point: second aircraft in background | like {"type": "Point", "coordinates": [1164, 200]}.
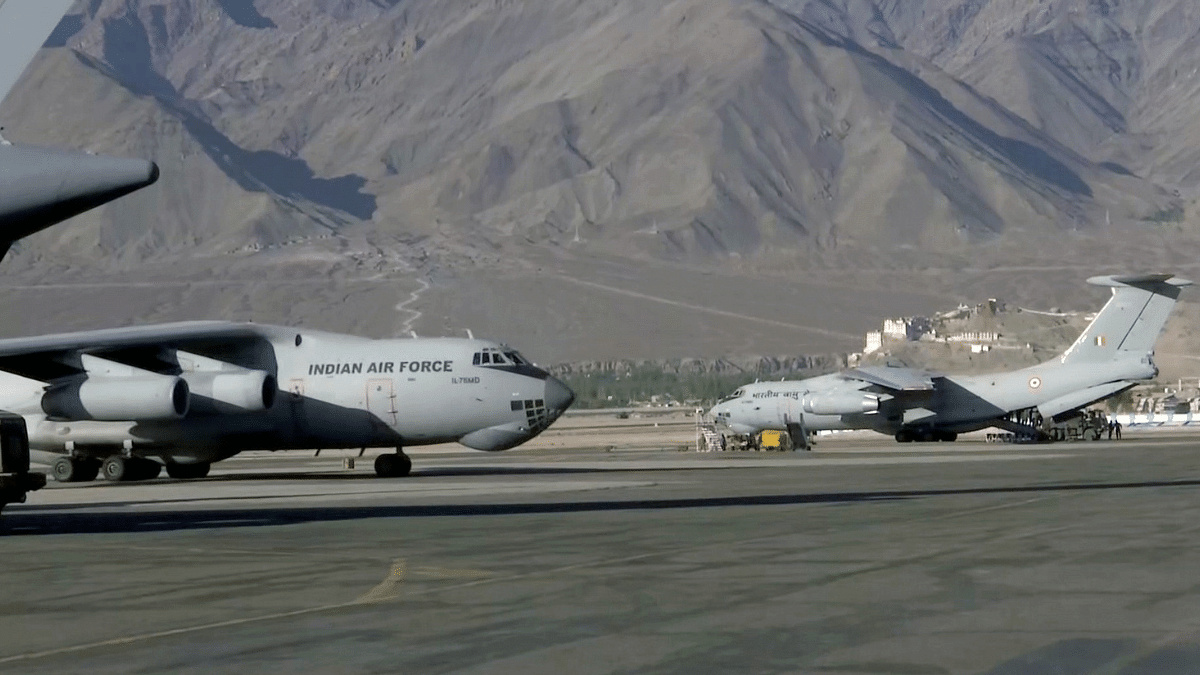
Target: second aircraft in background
{"type": "Point", "coordinates": [1114, 353]}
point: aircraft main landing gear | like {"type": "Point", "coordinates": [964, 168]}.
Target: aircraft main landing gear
{"type": "Point", "coordinates": [118, 469]}
{"type": "Point", "coordinates": [75, 469]}
{"type": "Point", "coordinates": [395, 465]}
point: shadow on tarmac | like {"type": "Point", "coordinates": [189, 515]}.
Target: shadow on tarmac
{"type": "Point", "coordinates": [17, 523]}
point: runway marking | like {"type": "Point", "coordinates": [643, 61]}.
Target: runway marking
{"type": "Point", "coordinates": [997, 507]}
{"type": "Point", "coordinates": [389, 588]}
{"type": "Point", "coordinates": [174, 631]}
{"type": "Point", "coordinates": [377, 594]}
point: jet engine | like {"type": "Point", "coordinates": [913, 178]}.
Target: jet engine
{"type": "Point", "coordinates": [115, 399]}
{"type": "Point", "coordinates": [242, 391]}
{"type": "Point", "coordinates": [840, 403]}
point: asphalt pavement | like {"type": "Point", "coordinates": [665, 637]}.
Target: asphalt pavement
{"type": "Point", "coordinates": [863, 557]}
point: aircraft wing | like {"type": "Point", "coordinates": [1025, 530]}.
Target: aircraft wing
{"type": "Point", "coordinates": [131, 337]}
{"type": "Point", "coordinates": [42, 187]}
{"type": "Point", "coordinates": [154, 348]}
{"type": "Point", "coordinates": [24, 27]}
{"type": "Point", "coordinates": [897, 379]}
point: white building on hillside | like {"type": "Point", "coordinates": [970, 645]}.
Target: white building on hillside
{"type": "Point", "coordinates": [874, 342]}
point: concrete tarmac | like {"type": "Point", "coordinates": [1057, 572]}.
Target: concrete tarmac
{"type": "Point", "coordinates": [862, 557]}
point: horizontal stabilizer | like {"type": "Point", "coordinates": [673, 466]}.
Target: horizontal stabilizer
{"type": "Point", "coordinates": [1079, 399]}
{"type": "Point", "coordinates": [1138, 280]}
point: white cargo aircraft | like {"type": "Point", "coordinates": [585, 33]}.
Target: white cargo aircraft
{"type": "Point", "coordinates": [127, 401]}
{"type": "Point", "coordinates": [1114, 353]}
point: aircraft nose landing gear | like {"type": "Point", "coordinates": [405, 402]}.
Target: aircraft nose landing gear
{"type": "Point", "coordinates": [395, 465]}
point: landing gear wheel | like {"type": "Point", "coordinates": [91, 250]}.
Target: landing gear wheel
{"type": "Point", "coordinates": [185, 471]}
{"type": "Point", "coordinates": [396, 465]}
{"type": "Point", "coordinates": [945, 436]}
{"type": "Point", "coordinates": [72, 470]}
{"type": "Point", "coordinates": [115, 469]}
{"type": "Point", "coordinates": [904, 436]}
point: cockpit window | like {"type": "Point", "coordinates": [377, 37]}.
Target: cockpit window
{"type": "Point", "coordinates": [492, 356]}
{"type": "Point", "coordinates": [735, 395]}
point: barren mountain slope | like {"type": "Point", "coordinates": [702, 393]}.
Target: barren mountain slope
{"type": "Point", "coordinates": [1115, 81]}
{"type": "Point", "coordinates": [691, 129]}
{"type": "Point", "coordinates": [833, 160]}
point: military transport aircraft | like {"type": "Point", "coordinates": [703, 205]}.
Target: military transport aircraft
{"type": "Point", "coordinates": [127, 401]}
{"type": "Point", "coordinates": [1112, 355]}
{"type": "Point", "coordinates": [40, 187]}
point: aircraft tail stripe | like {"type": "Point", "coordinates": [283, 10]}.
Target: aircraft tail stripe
{"type": "Point", "coordinates": [1130, 322]}
{"type": "Point", "coordinates": [1141, 311]}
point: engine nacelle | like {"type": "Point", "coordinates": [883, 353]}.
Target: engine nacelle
{"type": "Point", "coordinates": [848, 403]}
{"type": "Point", "coordinates": [243, 391]}
{"type": "Point", "coordinates": [118, 399]}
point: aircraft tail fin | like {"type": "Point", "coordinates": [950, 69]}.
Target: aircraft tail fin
{"type": "Point", "coordinates": [1131, 321]}
{"type": "Point", "coordinates": [24, 27]}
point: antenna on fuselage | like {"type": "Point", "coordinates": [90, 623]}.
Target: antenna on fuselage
{"type": "Point", "coordinates": [413, 333]}
{"type": "Point", "coordinates": [470, 335]}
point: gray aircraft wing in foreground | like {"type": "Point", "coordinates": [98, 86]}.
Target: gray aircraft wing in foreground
{"type": "Point", "coordinates": [128, 401]}
{"type": "Point", "coordinates": [1113, 354]}
{"type": "Point", "coordinates": [40, 187]}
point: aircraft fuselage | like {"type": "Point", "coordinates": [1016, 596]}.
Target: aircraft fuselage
{"type": "Point", "coordinates": [333, 391]}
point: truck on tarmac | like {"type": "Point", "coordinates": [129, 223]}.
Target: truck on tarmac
{"type": "Point", "coordinates": [16, 480]}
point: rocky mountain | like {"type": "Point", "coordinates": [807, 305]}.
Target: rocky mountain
{"type": "Point", "coordinates": [914, 146]}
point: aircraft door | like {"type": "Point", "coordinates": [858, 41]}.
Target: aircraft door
{"type": "Point", "coordinates": [381, 400]}
{"type": "Point", "coordinates": [791, 413]}
{"type": "Point", "coordinates": [789, 410]}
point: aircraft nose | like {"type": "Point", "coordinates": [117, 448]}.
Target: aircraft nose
{"type": "Point", "coordinates": [558, 396]}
